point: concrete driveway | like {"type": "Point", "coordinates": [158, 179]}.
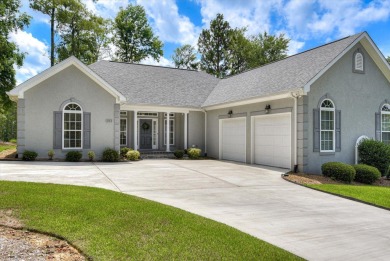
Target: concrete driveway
{"type": "Point", "coordinates": [255, 200]}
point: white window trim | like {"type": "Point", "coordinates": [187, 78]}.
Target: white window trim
{"type": "Point", "coordinates": [147, 114]}
{"type": "Point", "coordinates": [334, 125]}
{"type": "Point", "coordinates": [355, 60]}
{"type": "Point", "coordinates": [384, 112]}
{"type": "Point", "coordinates": [125, 131]}
{"type": "Point", "coordinates": [63, 126]}
{"type": "Point", "coordinates": [172, 123]}
{"type": "Point", "coordinates": [171, 115]}
{"type": "Point", "coordinates": [123, 113]}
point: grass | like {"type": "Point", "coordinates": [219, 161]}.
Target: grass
{"type": "Point", "coordinates": [372, 194]}
{"type": "Point", "coordinates": [6, 147]}
{"type": "Point", "coordinates": [107, 225]}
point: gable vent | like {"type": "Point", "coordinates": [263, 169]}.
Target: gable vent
{"type": "Point", "coordinates": [359, 62]}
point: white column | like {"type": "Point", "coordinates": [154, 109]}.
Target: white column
{"type": "Point", "coordinates": [185, 130]}
{"type": "Point", "coordinates": [167, 132]}
{"type": "Point", "coordinates": [135, 130]}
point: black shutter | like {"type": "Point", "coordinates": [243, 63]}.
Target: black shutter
{"type": "Point", "coordinates": [57, 136]}
{"type": "Point", "coordinates": [338, 130]}
{"type": "Point", "coordinates": [378, 126]}
{"type": "Point", "coordinates": [316, 130]}
{"type": "Point", "coordinates": [87, 130]}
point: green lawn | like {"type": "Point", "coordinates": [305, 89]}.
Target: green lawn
{"type": "Point", "coordinates": [372, 194]}
{"type": "Point", "coordinates": [6, 147]}
{"type": "Point", "coordinates": [107, 225]}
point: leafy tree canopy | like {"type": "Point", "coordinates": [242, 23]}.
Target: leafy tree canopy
{"type": "Point", "coordinates": [184, 57]}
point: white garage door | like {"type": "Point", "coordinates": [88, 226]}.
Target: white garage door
{"type": "Point", "coordinates": [233, 141]}
{"type": "Point", "coordinates": [272, 140]}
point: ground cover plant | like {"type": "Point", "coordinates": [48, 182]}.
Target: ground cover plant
{"type": "Point", "coordinates": [6, 146]}
{"type": "Point", "coordinates": [108, 225]}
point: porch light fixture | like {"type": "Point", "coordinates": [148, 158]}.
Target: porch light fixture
{"type": "Point", "coordinates": [230, 113]}
{"type": "Point", "coordinates": [267, 108]}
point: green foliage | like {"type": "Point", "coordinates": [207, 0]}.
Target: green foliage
{"type": "Point", "coordinates": [194, 153]}
{"type": "Point", "coordinates": [13, 141]}
{"type": "Point", "coordinates": [388, 59]}
{"type": "Point", "coordinates": [73, 156]}
{"type": "Point", "coordinates": [110, 155]}
{"type": "Point", "coordinates": [179, 154]}
{"type": "Point", "coordinates": [376, 154]}
{"type": "Point", "coordinates": [50, 154]}
{"type": "Point", "coordinates": [339, 171]}
{"type": "Point", "coordinates": [11, 20]}
{"type": "Point", "coordinates": [91, 155]}
{"type": "Point", "coordinates": [184, 57]}
{"type": "Point", "coordinates": [240, 51]}
{"type": "Point", "coordinates": [8, 121]}
{"type": "Point", "coordinates": [29, 155]}
{"type": "Point", "coordinates": [134, 37]}
{"type": "Point", "coordinates": [124, 151]}
{"type": "Point", "coordinates": [133, 155]}
{"type": "Point", "coordinates": [366, 174]}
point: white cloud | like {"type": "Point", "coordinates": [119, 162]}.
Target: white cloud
{"type": "Point", "coordinates": [36, 59]}
{"type": "Point", "coordinates": [106, 8]}
{"type": "Point", "coordinates": [163, 62]}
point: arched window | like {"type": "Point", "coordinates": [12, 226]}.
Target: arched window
{"type": "Point", "coordinates": [327, 126]}
{"type": "Point", "coordinates": [358, 65]}
{"type": "Point", "coordinates": [385, 123]}
{"type": "Point", "coordinates": [73, 126]}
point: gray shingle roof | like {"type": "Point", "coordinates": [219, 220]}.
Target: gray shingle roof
{"type": "Point", "coordinates": [288, 74]}
{"type": "Point", "coordinates": [154, 85]}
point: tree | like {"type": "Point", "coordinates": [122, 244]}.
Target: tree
{"type": "Point", "coordinates": [388, 59]}
{"type": "Point", "coordinates": [239, 50]}
{"type": "Point", "coordinates": [184, 57]}
{"type": "Point", "coordinates": [214, 45]}
{"type": "Point", "coordinates": [134, 37]}
{"type": "Point", "coordinates": [267, 48]}
{"type": "Point", "coordinates": [10, 20]}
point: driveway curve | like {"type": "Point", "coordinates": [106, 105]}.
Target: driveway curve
{"type": "Point", "coordinates": [253, 199]}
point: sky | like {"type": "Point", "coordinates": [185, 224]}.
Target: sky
{"type": "Point", "coordinates": [307, 23]}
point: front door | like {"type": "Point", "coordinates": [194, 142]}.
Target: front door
{"type": "Point", "coordinates": [145, 134]}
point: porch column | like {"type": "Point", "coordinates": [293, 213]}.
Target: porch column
{"type": "Point", "coordinates": [167, 132]}
{"type": "Point", "coordinates": [185, 130]}
{"type": "Point", "coordinates": [135, 130]}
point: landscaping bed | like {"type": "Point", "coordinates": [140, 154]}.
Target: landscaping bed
{"type": "Point", "coordinates": [7, 150]}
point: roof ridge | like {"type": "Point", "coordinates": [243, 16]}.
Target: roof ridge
{"type": "Point", "coordinates": [152, 65]}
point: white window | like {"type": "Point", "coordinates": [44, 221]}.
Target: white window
{"type": "Point", "coordinates": [385, 123]}
{"type": "Point", "coordinates": [148, 114]}
{"type": "Point", "coordinates": [171, 132]}
{"type": "Point", "coordinates": [123, 132]}
{"type": "Point", "coordinates": [327, 127]}
{"type": "Point", "coordinates": [170, 115]}
{"type": "Point", "coordinates": [359, 62]}
{"type": "Point", "coordinates": [73, 126]}
{"type": "Point", "coordinates": [123, 113]}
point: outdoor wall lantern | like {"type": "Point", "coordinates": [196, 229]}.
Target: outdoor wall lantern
{"type": "Point", "coordinates": [267, 108]}
{"type": "Point", "coordinates": [230, 113]}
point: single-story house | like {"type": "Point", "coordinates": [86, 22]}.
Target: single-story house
{"type": "Point", "coordinates": [298, 112]}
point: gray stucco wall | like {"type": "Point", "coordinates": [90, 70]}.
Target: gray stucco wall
{"type": "Point", "coordinates": [213, 116]}
{"type": "Point", "coordinates": [47, 97]}
{"type": "Point", "coordinates": [357, 95]}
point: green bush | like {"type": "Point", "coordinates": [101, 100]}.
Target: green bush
{"type": "Point", "coordinates": [50, 154]}
{"type": "Point", "coordinates": [91, 155]}
{"type": "Point", "coordinates": [110, 155]}
{"type": "Point", "coordinates": [29, 155]}
{"type": "Point", "coordinates": [73, 156]}
{"type": "Point", "coordinates": [366, 174]}
{"type": "Point", "coordinates": [194, 153]}
{"type": "Point", "coordinates": [179, 154]}
{"type": "Point", "coordinates": [339, 171]}
{"type": "Point", "coordinates": [133, 155]}
{"type": "Point", "coordinates": [13, 141]}
{"type": "Point", "coordinates": [124, 151]}
{"type": "Point", "coordinates": [375, 153]}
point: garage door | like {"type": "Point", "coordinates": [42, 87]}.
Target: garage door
{"type": "Point", "coordinates": [233, 141]}
{"type": "Point", "coordinates": [272, 140]}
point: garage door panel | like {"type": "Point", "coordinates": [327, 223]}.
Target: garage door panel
{"type": "Point", "coordinates": [233, 139]}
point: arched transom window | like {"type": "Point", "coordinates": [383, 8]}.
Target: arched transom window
{"type": "Point", "coordinates": [73, 126]}
{"type": "Point", "coordinates": [327, 127]}
{"type": "Point", "coordinates": [358, 62]}
{"type": "Point", "coordinates": [385, 123]}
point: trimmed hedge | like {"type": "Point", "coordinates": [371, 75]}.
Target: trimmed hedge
{"type": "Point", "coordinates": [110, 155]}
{"type": "Point", "coordinates": [366, 174]}
{"type": "Point", "coordinates": [91, 155]}
{"type": "Point", "coordinates": [194, 153]}
{"type": "Point", "coordinates": [133, 155]}
{"type": "Point", "coordinates": [124, 151]}
{"type": "Point", "coordinates": [375, 153]}
{"type": "Point", "coordinates": [73, 156]}
{"type": "Point", "coordinates": [339, 171]}
{"type": "Point", "coordinates": [179, 154]}
{"type": "Point", "coordinates": [29, 155]}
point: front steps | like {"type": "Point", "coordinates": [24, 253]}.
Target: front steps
{"type": "Point", "coordinates": [156, 155]}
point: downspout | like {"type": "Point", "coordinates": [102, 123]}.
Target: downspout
{"type": "Point", "coordinates": [295, 96]}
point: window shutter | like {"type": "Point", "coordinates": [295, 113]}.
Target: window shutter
{"type": "Point", "coordinates": [359, 62]}
{"type": "Point", "coordinates": [57, 137]}
{"type": "Point", "coordinates": [87, 130]}
{"type": "Point", "coordinates": [338, 130]}
{"type": "Point", "coordinates": [378, 126]}
{"type": "Point", "coordinates": [316, 128]}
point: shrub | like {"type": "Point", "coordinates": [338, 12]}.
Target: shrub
{"type": "Point", "coordinates": [133, 155]}
{"type": "Point", "coordinates": [110, 155]}
{"type": "Point", "coordinates": [194, 153]}
{"type": "Point", "coordinates": [29, 155]}
{"type": "Point", "coordinates": [375, 153]}
{"type": "Point", "coordinates": [339, 171]}
{"type": "Point", "coordinates": [73, 156]}
{"type": "Point", "coordinates": [366, 174]}
{"type": "Point", "coordinates": [124, 151]}
{"type": "Point", "coordinates": [179, 154]}
{"type": "Point", "coordinates": [91, 155]}
{"type": "Point", "coordinates": [13, 141]}
{"type": "Point", "coordinates": [51, 154]}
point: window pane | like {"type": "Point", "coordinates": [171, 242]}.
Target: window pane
{"type": "Point", "coordinates": [386, 137]}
